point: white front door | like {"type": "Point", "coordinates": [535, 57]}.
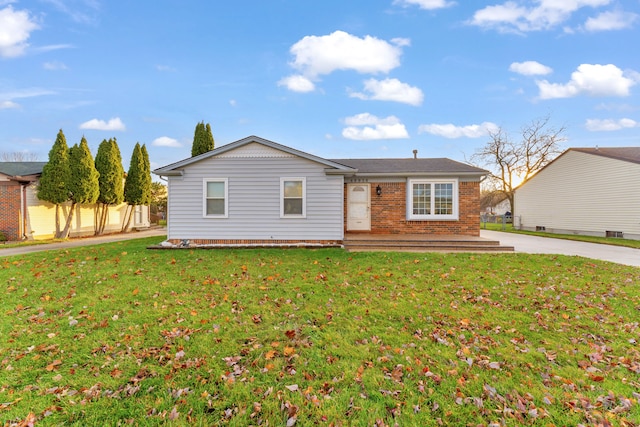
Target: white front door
{"type": "Point", "coordinates": [358, 207]}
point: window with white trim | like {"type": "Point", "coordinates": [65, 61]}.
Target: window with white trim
{"type": "Point", "coordinates": [432, 199]}
{"type": "Point", "coordinates": [293, 197]}
{"type": "Point", "coordinates": [215, 198]}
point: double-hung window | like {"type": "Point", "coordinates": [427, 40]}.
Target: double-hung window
{"type": "Point", "coordinates": [432, 199]}
{"type": "Point", "coordinates": [293, 198]}
{"type": "Point", "coordinates": [216, 198]}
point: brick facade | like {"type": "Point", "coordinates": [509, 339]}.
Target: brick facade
{"type": "Point", "coordinates": [389, 214]}
{"type": "Point", "coordinates": [10, 210]}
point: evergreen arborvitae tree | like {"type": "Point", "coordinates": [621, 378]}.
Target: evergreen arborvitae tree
{"type": "Point", "coordinates": [198, 140]}
{"type": "Point", "coordinates": [55, 177]}
{"type": "Point", "coordinates": [136, 186]}
{"type": "Point", "coordinates": [147, 173]}
{"type": "Point", "coordinates": [83, 187]}
{"type": "Point", "coordinates": [202, 139]}
{"type": "Point", "coordinates": [210, 144]}
{"type": "Point", "coordinates": [109, 166]}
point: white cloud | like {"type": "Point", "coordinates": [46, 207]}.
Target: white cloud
{"type": "Point", "coordinates": [596, 125]}
{"type": "Point", "coordinates": [5, 105]}
{"type": "Point", "coordinates": [516, 16]}
{"type": "Point", "coordinates": [112, 124]}
{"type": "Point", "coordinates": [15, 28]}
{"type": "Point", "coordinates": [530, 68]}
{"type": "Point", "coordinates": [315, 56]}
{"type": "Point", "coordinates": [611, 20]}
{"type": "Point", "coordinates": [367, 127]}
{"type": "Point", "coordinates": [52, 47]}
{"type": "Point", "coordinates": [318, 55]}
{"type": "Point", "coordinates": [89, 16]}
{"type": "Point", "coordinates": [592, 80]}
{"type": "Point", "coordinates": [297, 83]}
{"type": "Point", "coordinates": [165, 141]}
{"type": "Point", "coordinates": [390, 90]}
{"type": "Point", "coordinates": [54, 66]}
{"type": "Point", "coordinates": [6, 98]}
{"type": "Point", "coordinates": [426, 4]}
{"type": "Point", "coordinates": [452, 131]}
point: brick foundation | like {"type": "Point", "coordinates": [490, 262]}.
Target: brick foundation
{"type": "Point", "coordinates": [389, 215]}
{"type": "Point", "coordinates": [10, 210]}
{"type": "Point", "coordinates": [253, 243]}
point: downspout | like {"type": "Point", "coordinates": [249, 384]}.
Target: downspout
{"type": "Point", "coordinates": [23, 211]}
{"type": "Point", "coordinates": [166, 217]}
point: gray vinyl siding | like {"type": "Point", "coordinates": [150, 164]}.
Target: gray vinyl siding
{"type": "Point", "coordinates": [584, 194]}
{"type": "Point", "coordinates": [254, 201]}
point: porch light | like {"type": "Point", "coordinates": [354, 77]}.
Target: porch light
{"type": "Point", "coordinates": [378, 190]}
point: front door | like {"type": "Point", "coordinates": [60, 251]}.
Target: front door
{"type": "Point", "coordinates": [358, 207]}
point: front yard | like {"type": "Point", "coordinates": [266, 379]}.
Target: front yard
{"type": "Point", "coordinates": [117, 334]}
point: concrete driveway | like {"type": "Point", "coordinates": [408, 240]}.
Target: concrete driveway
{"type": "Point", "coordinates": [84, 241]}
{"type": "Point", "coordinates": [547, 245]}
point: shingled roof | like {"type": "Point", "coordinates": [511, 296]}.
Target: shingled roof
{"type": "Point", "coordinates": [360, 167]}
{"type": "Point", "coordinates": [410, 166]}
{"type": "Point", "coordinates": [629, 154]}
{"type": "Point", "coordinates": [22, 171]}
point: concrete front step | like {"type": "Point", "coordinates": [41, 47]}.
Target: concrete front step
{"type": "Point", "coordinates": [351, 248]}
{"type": "Point", "coordinates": [421, 243]}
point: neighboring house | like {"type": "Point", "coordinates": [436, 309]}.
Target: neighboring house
{"type": "Point", "coordinates": [254, 192]}
{"type": "Point", "coordinates": [15, 180]}
{"type": "Point", "coordinates": [500, 207]}
{"type": "Point", "coordinates": [24, 216]}
{"type": "Point", "coordinates": [590, 191]}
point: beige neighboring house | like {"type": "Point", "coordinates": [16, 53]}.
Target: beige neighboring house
{"type": "Point", "coordinates": [24, 216]}
{"type": "Point", "coordinates": [588, 191]}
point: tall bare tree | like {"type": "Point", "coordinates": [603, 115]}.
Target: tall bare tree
{"type": "Point", "coordinates": [19, 156]}
{"type": "Point", "coordinates": [512, 162]}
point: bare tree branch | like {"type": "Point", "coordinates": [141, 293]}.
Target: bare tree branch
{"type": "Point", "coordinates": [19, 157]}
{"type": "Point", "coordinates": [510, 162]}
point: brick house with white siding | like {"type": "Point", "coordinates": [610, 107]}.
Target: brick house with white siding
{"type": "Point", "coordinates": [255, 191]}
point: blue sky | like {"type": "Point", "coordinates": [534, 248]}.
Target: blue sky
{"type": "Point", "coordinates": [375, 78]}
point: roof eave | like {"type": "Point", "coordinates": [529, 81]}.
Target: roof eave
{"type": "Point", "coordinates": [178, 172]}
{"type": "Point", "coordinates": [333, 171]}
{"type": "Point", "coordinates": [414, 174]}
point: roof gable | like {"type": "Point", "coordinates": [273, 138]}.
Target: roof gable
{"type": "Point", "coordinates": [251, 146]}
{"type": "Point", "coordinates": [625, 154]}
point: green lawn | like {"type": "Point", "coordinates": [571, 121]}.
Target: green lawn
{"type": "Point", "coordinates": [117, 334]}
{"type": "Point", "coordinates": [591, 239]}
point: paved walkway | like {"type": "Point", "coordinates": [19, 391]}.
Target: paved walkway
{"type": "Point", "coordinates": [546, 245]}
{"type": "Point", "coordinates": [84, 241]}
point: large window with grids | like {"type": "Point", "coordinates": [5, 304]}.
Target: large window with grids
{"type": "Point", "coordinates": [432, 199]}
{"type": "Point", "coordinates": [216, 196]}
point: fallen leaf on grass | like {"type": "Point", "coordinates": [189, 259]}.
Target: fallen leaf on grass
{"type": "Point", "coordinates": [53, 365]}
